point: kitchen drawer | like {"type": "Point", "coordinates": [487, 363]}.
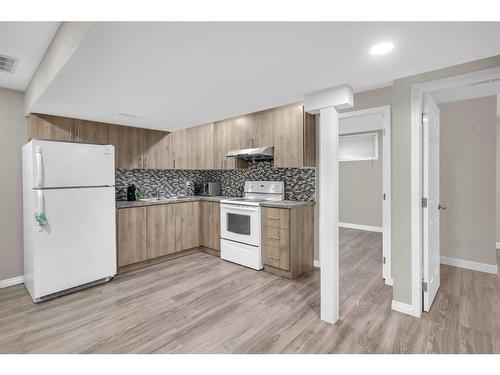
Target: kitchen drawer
{"type": "Point", "coordinates": [276, 217]}
{"type": "Point", "coordinates": [276, 257]}
{"type": "Point", "coordinates": [276, 237]}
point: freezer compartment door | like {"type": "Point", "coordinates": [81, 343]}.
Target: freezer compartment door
{"type": "Point", "coordinates": [77, 245]}
{"type": "Point", "coordinates": [66, 164]}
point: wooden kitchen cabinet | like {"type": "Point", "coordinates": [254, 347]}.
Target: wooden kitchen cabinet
{"type": "Point", "coordinates": [129, 146]}
{"type": "Point", "coordinates": [210, 225]}
{"type": "Point", "coordinates": [131, 235]}
{"type": "Point", "coordinates": [50, 127]}
{"type": "Point", "coordinates": [288, 240]}
{"type": "Point", "coordinates": [263, 129]}
{"type": "Point", "coordinates": [57, 128]}
{"type": "Point", "coordinates": [158, 150]}
{"type": "Point", "coordinates": [90, 132]}
{"type": "Point", "coordinates": [187, 225]}
{"type": "Point", "coordinates": [294, 134]}
{"type": "Point", "coordinates": [160, 230]}
{"type": "Point", "coordinates": [230, 135]}
{"type": "Point", "coordinates": [194, 147]}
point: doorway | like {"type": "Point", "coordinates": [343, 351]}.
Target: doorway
{"type": "Point", "coordinates": [453, 187]}
{"type": "Point", "coordinates": [362, 131]}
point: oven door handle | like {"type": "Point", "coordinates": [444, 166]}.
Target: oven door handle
{"type": "Point", "coordinates": [240, 208]}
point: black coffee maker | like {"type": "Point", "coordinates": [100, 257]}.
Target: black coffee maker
{"type": "Point", "coordinates": [131, 192]}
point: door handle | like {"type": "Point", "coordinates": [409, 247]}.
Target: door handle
{"type": "Point", "coordinates": [39, 167]}
{"type": "Point", "coordinates": [442, 206]}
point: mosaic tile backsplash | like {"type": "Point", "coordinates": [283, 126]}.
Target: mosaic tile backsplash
{"type": "Point", "coordinates": [299, 182]}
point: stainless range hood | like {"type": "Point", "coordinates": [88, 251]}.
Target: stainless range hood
{"type": "Point", "coordinates": [258, 153]}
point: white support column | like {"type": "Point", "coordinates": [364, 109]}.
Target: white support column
{"type": "Point", "coordinates": [328, 178]}
{"type": "Point", "coordinates": [327, 169]}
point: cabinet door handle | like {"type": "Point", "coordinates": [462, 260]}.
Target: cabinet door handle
{"type": "Point", "coordinates": [273, 218]}
{"type": "Point", "coordinates": [271, 257]}
{"type": "Point", "coordinates": [274, 238]}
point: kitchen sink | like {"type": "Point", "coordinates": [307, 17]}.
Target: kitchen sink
{"type": "Point", "coordinates": [161, 199]}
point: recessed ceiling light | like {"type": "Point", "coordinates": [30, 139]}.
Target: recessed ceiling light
{"type": "Point", "coordinates": [381, 48]}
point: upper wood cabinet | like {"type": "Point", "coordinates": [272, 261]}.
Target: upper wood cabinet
{"type": "Point", "coordinates": [158, 150]}
{"type": "Point", "coordinates": [57, 128]}
{"type": "Point", "coordinates": [230, 135]}
{"type": "Point", "coordinates": [263, 129]}
{"type": "Point", "coordinates": [294, 137]}
{"type": "Point", "coordinates": [193, 147]}
{"type": "Point", "coordinates": [129, 146]}
{"type": "Point", "coordinates": [202, 138]}
{"type": "Point", "coordinates": [50, 127]}
{"type": "Point", "coordinates": [90, 132]}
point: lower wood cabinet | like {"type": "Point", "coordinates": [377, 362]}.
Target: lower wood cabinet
{"type": "Point", "coordinates": [210, 225]}
{"type": "Point", "coordinates": [288, 240]}
{"type": "Point", "coordinates": [131, 235]}
{"type": "Point", "coordinates": [160, 223]}
{"type": "Point", "coordinates": [150, 232]}
{"type": "Point", "coordinates": [187, 225]}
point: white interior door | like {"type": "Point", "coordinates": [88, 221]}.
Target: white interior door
{"type": "Point", "coordinates": [431, 254]}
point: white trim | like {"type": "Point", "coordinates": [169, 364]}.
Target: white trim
{"type": "Point", "coordinates": [364, 112]}
{"type": "Point", "coordinates": [361, 227]}
{"type": "Point", "coordinates": [387, 178]}
{"type": "Point", "coordinates": [316, 263]}
{"type": "Point", "coordinates": [497, 246]}
{"type": "Point", "coordinates": [12, 281]}
{"type": "Point", "coordinates": [404, 308]}
{"type": "Point", "coordinates": [389, 282]}
{"type": "Point", "coordinates": [417, 92]}
{"type": "Point", "coordinates": [476, 266]}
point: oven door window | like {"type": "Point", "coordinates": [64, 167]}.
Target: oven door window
{"type": "Point", "coordinates": [239, 224]}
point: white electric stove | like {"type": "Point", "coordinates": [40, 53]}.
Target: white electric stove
{"type": "Point", "coordinates": [241, 221]}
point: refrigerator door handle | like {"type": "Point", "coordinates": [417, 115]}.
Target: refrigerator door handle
{"type": "Point", "coordinates": [40, 212]}
{"type": "Point", "coordinates": [39, 167]}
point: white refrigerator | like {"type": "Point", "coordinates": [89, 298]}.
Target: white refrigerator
{"type": "Point", "coordinates": [69, 216]}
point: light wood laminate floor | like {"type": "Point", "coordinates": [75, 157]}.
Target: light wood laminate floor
{"type": "Point", "coordinates": [201, 304]}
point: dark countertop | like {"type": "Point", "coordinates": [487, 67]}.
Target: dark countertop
{"type": "Point", "coordinates": [195, 198]}
{"type": "Point", "coordinates": [287, 204]}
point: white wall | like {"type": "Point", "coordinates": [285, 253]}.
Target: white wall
{"type": "Point", "coordinates": [498, 176]}
{"type": "Point", "coordinates": [361, 189]}
{"type": "Point", "coordinates": [13, 130]}
{"type": "Point", "coordinates": [468, 179]}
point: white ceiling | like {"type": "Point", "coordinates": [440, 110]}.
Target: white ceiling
{"type": "Point", "coordinates": [28, 42]}
{"type": "Point", "coordinates": [176, 75]}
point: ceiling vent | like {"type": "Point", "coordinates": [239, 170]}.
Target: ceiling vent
{"type": "Point", "coordinates": [8, 64]}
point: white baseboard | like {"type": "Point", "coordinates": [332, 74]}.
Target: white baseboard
{"type": "Point", "coordinates": [12, 281]}
{"type": "Point", "coordinates": [316, 263]}
{"type": "Point", "coordinates": [361, 227]}
{"type": "Point", "coordinates": [404, 308]}
{"type": "Point", "coordinates": [498, 246]}
{"type": "Point", "coordinates": [461, 263]}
